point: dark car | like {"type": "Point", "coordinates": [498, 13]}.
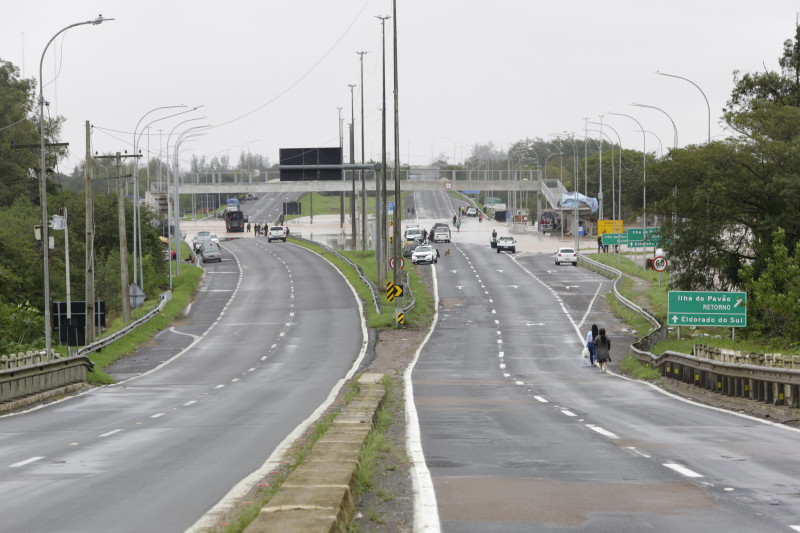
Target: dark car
{"type": "Point", "coordinates": [409, 247]}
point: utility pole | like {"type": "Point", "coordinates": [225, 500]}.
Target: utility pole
{"type": "Point", "coordinates": [123, 244]}
{"type": "Point", "coordinates": [123, 238]}
{"type": "Point", "coordinates": [90, 337]}
{"type": "Point", "coordinates": [363, 177]}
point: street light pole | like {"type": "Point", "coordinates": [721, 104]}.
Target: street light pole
{"type": "Point", "coordinates": [644, 182]}
{"type": "Point", "coordinates": [352, 162]}
{"type": "Point", "coordinates": [43, 189]}
{"type": "Point", "coordinates": [397, 203]}
{"type": "Point", "coordinates": [674, 127]}
{"type": "Point", "coordinates": [341, 147]}
{"type": "Point", "coordinates": [137, 228]}
{"type": "Point", "coordinates": [176, 201]}
{"type": "Point", "coordinates": [381, 245]}
{"type": "Point", "coordinates": [701, 92]}
{"type": "Point", "coordinates": [363, 176]}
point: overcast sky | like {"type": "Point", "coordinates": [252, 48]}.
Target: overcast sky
{"type": "Point", "coordinates": [271, 73]}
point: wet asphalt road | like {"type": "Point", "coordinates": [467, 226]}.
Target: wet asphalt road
{"type": "Point", "coordinates": [519, 436]}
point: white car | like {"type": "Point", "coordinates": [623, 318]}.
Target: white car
{"type": "Point", "coordinates": [566, 255]}
{"type": "Point", "coordinates": [276, 233]}
{"type": "Point", "coordinates": [506, 243]}
{"type": "Point", "coordinates": [413, 234]}
{"type": "Point", "coordinates": [214, 238]}
{"type": "Point", "coordinates": [424, 253]}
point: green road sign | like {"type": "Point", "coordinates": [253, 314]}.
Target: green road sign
{"type": "Point", "coordinates": [614, 239]}
{"type": "Point", "coordinates": [704, 308]}
{"type": "Point", "coordinates": [636, 237]}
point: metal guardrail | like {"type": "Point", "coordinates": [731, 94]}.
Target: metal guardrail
{"type": "Point", "coordinates": [413, 301]}
{"type": "Point", "coordinates": [164, 297]}
{"type": "Point", "coordinates": [777, 381]}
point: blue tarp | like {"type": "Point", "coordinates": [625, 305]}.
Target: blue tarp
{"type": "Point", "coordinates": [568, 199]}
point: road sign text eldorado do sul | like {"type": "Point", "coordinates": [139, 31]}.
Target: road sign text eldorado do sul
{"type": "Point", "coordinates": [703, 308]}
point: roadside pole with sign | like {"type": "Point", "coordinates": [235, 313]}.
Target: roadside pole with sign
{"type": "Point", "coordinates": [659, 265]}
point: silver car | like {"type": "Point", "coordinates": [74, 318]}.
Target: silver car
{"type": "Point", "coordinates": [211, 252]}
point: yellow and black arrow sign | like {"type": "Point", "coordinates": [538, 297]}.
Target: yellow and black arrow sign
{"type": "Point", "coordinates": [393, 291]}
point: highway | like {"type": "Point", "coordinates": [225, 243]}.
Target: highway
{"type": "Point", "coordinates": [517, 435]}
{"type": "Point", "coordinates": [272, 335]}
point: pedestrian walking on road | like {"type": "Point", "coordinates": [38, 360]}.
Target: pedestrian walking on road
{"type": "Point", "coordinates": [590, 337]}
{"type": "Point", "coordinates": [603, 347]}
{"type": "Point", "coordinates": [599, 244]}
{"type": "Point", "coordinates": [248, 227]}
{"type": "Point", "coordinates": [257, 230]}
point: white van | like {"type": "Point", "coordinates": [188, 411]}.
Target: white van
{"type": "Point", "coordinates": [441, 234]}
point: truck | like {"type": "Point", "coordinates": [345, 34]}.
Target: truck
{"type": "Point", "coordinates": [234, 217]}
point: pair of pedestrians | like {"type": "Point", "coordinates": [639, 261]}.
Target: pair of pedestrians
{"type": "Point", "coordinates": [599, 346]}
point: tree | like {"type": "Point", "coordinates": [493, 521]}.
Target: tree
{"type": "Point", "coordinates": [732, 195]}
{"type": "Point", "coordinates": [773, 302]}
{"type": "Point", "coordinates": [17, 100]}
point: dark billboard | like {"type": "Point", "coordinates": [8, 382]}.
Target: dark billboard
{"type": "Point", "coordinates": [310, 157]}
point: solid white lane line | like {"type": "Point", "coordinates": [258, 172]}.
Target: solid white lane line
{"type": "Point", "coordinates": [682, 470]}
{"type": "Point", "coordinates": [26, 462]}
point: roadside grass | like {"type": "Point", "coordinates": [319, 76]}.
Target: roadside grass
{"type": "Point", "coordinates": [631, 365]}
{"type": "Point", "coordinates": [375, 445]}
{"type": "Point", "coordinates": [183, 288]}
{"type": "Point", "coordinates": [330, 204]}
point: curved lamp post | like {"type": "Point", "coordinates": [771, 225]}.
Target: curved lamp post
{"type": "Point", "coordinates": [43, 188]}
{"type": "Point", "coordinates": [136, 214]}
{"type": "Point", "coordinates": [701, 92]}
{"type": "Point", "coordinates": [169, 205]}
{"type": "Point", "coordinates": [674, 127]}
{"type": "Point", "coordinates": [644, 177]}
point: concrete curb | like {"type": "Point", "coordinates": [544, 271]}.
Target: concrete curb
{"type": "Point", "coordinates": [318, 494]}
